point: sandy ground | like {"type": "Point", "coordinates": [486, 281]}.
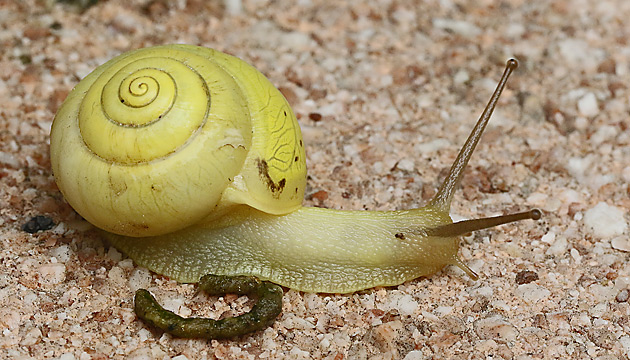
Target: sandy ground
{"type": "Point", "coordinates": [386, 92]}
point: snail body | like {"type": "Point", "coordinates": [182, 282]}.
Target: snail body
{"type": "Point", "coordinates": [193, 163]}
{"type": "Point", "coordinates": [345, 255]}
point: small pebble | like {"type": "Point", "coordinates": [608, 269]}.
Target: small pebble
{"type": "Point", "coordinates": [605, 221]}
{"type": "Point", "coordinates": [525, 277]}
{"type": "Point", "coordinates": [623, 295]}
{"type": "Point", "coordinates": [140, 279]}
{"type": "Point", "coordinates": [406, 305]}
{"type": "Point", "coordinates": [559, 246]}
{"type": "Point", "coordinates": [414, 355]}
{"type": "Point", "coordinates": [37, 223]}
{"type": "Point", "coordinates": [315, 116]}
{"type": "Point", "coordinates": [61, 253]}
{"type": "Point", "coordinates": [532, 293]}
{"type": "Point", "coordinates": [52, 274]}
{"type": "Point", "coordinates": [406, 165]}
{"type": "Point", "coordinates": [621, 243]}
{"type": "Point", "coordinates": [587, 105]}
{"type": "Point", "coordinates": [548, 238]}
{"type": "Point", "coordinates": [495, 327]}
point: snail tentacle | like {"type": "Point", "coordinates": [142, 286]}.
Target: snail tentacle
{"type": "Point", "coordinates": [262, 314]}
{"type": "Point", "coordinates": [444, 196]}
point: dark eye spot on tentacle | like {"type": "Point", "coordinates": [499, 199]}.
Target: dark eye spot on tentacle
{"type": "Point", "coordinates": [400, 236]}
{"type": "Point", "coordinates": [275, 187]}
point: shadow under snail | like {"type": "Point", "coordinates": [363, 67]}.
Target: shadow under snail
{"type": "Point", "coordinates": [192, 163]}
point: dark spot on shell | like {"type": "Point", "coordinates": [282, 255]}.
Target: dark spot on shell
{"type": "Point", "coordinates": [400, 236]}
{"type": "Point", "coordinates": [263, 171]}
{"type": "Point", "coordinates": [297, 158]}
{"type": "Point", "coordinates": [301, 142]}
{"type": "Point", "coordinates": [285, 113]}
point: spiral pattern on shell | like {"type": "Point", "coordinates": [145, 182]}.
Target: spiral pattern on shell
{"type": "Point", "coordinates": [156, 139]}
{"type": "Point", "coordinates": [142, 104]}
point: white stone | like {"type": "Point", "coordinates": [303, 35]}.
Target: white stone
{"type": "Point", "coordinates": [587, 105]}
{"type": "Point", "coordinates": [117, 276]}
{"type": "Point", "coordinates": [431, 146]}
{"type": "Point", "coordinates": [61, 253]}
{"type": "Point", "coordinates": [234, 7]}
{"type": "Point", "coordinates": [443, 310]}
{"type": "Point", "coordinates": [144, 334]}
{"type": "Point", "coordinates": [9, 159]}
{"type": "Point", "coordinates": [515, 30]}
{"type": "Point", "coordinates": [407, 305]}
{"type": "Point", "coordinates": [51, 274]}
{"type": "Point", "coordinates": [549, 238]}
{"type": "Point", "coordinates": [532, 293]}
{"type": "Point", "coordinates": [67, 356]}
{"type": "Point", "coordinates": [32, 337]}
{"type": "Point", "coordinates": [114, 254]}
{"type": "Point", "coordinates": [605, 221]}
{"type": "Point", "coordinates": [559, 246]}
{"type": "Point", "coordinates": [140, 279]}
{"type": "Point", "coordinates": [604, 134]}
{"type": "Point", "coordinates": [406, 165]}
{"type": "Point", "coordinates": [578, 53]}
{"type": "Point", "coordinates": [578, 166]}
{"type": "Point", "coordinates": [294, 322]}
{"type": "Point", "coordinates": [599, 310]}
{"type": "Point", "coordinates": [297, 353]}
{"type": "Point", "coordinates": [625, 343]}
{"type": "Point", "coordinates": [621, 243]}
{"type": "Point", "coordinates": [569, 196]}
{"type": "Point", "coordinates": [495, 327]}
{"type": "Point", "coordinates": [602, 294]}
{"type": "Point", "coordinates": [461, 77]}
{"type": "Point", "coordinates": [484, 291]}
{"type": "Point", "coordinates": [576, 256]}
{"type": "Point", "coordinates": [414, 355]}
{"type": "Point", "coordinates": [537, 199]}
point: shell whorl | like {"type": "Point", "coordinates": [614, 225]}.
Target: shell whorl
{"type": "Point", "coordinates": [141, 104]}
{"type": "Point", "coordinates": [158, 138]}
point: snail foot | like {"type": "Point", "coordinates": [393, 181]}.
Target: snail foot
{"type": "Point", "coordinates": [262, 314]}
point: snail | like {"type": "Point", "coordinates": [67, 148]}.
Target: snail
{"type": "Point", "coordinates": [192, 163]}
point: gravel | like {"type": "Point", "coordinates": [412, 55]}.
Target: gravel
{"type": "Point", "coordinates": [397, 87]}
